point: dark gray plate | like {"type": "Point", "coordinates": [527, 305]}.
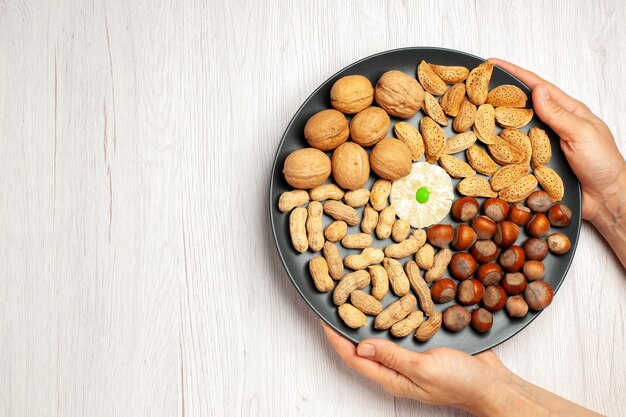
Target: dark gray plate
{"type": "Point", "coordinates": [296, 264]}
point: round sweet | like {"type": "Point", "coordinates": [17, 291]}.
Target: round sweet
{"type": "Point", "coordinates": [405, 195]}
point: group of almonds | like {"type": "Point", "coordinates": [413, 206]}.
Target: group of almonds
{"type": "Point", "coordinates": [471, 105]}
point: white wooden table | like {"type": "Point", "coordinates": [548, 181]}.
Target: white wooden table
{"type": "Point", "coordinates": [138, 276]}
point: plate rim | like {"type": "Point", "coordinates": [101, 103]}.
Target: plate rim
{"type": "Point", "coordinates": [284, 137]}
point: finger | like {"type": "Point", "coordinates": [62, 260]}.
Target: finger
{"type": "Point", "coordinates": [563, 121]}
{"type": "Point", "coordinates": [390, 380]}
{"type": "Point", "coordinates": [532, 80]}
{"type": "Point", "coordinates": [390, 355]}
{"type": "Point", "coordinates": [527, 77]}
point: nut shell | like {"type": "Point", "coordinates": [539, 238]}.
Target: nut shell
{"type": "Point", "coordinates": [306, 168]}
{"type": "Point", "coordinates": [443, 290]}
{"type": "Point", "coordinates": [463, 237]}
{"type": "Point", "coordinates": [456, 318]}
{"type": "Point", "coordinates": [516, 306]}
{"type": "Point", "coordinates": [538, 295]}
{"type": "Point", "coordinates": [536, 249]}
{"type": "Point", "coordinates": [482, 320]}
{"type": "Point", "coordinates": [351, 94]}
{"type": "Point", "coordinates": [391, 159]}
{"type": "Point", "coordinates": [558, 243]}
{"type": "Point", "coordinates": [559, 215]}
{"type": "Point", "coordinates": [484, 227]}
{"type": "Point", "coordinates": [538, 226]}
{"type": "Point", "coordinates": [369, 126]}
{"type": "Point", "coordinates": [519, 214]}
{"type": "Point", "coordinates": [350, 166]}
{"type": "Point", "coordinates": [326, 130]}
{"type": "Point", "coordinates": [494, 298]}
{"type": "Point", "coordinates": [489, 274]}
{"type": "Point", "coordinates": [399, 94]}
{"type": "Point", "coordinates": [465, 209]}
{"type": "Point", "coordinates": [470, 292]}
{"type": "Point", "coordinates": [462, 265]}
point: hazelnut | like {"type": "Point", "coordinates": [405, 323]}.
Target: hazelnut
{"type": "Point", "coordinates": [443, 290]}
{"type": "Point", "coordinates": [470, 292]}
{"type": "Point", "coordinates": [539, 201]}
{"type": "Point", "coordinates": [484, 251]}
{"type": "Point", "coordinates": [506, 233]}
{"type": "Point", "coordinates": [512, 259]}
{"type": "Point", "coordinates": [496, 209]}
{"type": "Point", "coordinates": [462, 265]}
{"type": "Point", "coordinates": [558, 243]}
{"type": "Point", "coordinates": [306, 168]}
{"type": "Point", "coordinates": [538, 295]}
{"type": "Point", "coordinates": [533, 270]}
{"type": "Point", "coordinates": [538, 226]}
{"type": "Point", "coordinates": [482, 320]}
{"type": "Point", "coordinates": [351, 94]}
{"type": "Point", "coordinates": [391, 159]}
{"type": "Point", "coordinates": [440, 235]}
{"type": "Point", "coordinates": [535, 249]}
{"type": "Point", "coordinates": [465, 209]}
{"type": "Point", "coordinates": [559, 215]}
{"type": "Point", "coordinates": [484, 227]}
{"type": "Point", "coordinates": [350, 165]}
{"type": "Point", "coordinates": [326, 130]}
{"type": "Point", "coordinates": [399, 94]}
{"type": "Point", "coordinates": [456, 318]}
{"type": "Point", "coordinates": [514, 282]}
{"type": "Point", "coordinates": [519, 214]}
{"type": "Point", "coordinates": [516, 306]}
{"type": "Point", "coordinates": [369, 126]}
{"type": "Point", "coordinates": [489, 274]}
{"type": "Point", "coordinates": [494, 298]}
{"type": "Point", "coordinates": [463, 237]}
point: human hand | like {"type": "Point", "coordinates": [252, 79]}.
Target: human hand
{"type": "Point", "coordinates": [438, 376]}
{"type": "Point", "coordinates": [586, 141]}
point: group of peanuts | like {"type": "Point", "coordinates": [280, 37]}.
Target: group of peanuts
{"type": "Point", "coordinates": [377, 267]}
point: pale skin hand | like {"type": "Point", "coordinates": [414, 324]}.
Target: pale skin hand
{"type": "Point", "coordinates": [481, 384]}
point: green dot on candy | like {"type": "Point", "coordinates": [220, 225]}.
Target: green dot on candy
{"type": "Point", "coordinates": [422, 195]}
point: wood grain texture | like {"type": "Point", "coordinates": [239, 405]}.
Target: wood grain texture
{"type": "Point", "coordinates": [138, 276]}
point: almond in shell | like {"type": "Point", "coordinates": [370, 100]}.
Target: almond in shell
{"type": "Point", "coordinates": [475, 187]}
{"type": "Point", "coordinates": [485, 124]}
{"type": "Point", "coordinates": [507, 95]}
{"type": "Point", "coordinates": [513, 117]}
{"type": "Point", "coordinates": [411, 137]}
{"type": "Point", "coordinates": [550, 181]}
{"type": "Point", "coordinates": [541, 148]}
{"type": "Point", "coordinates": [480, 160]}
{"type": "Point", "coordinates": [455, 167]}
{"type": "Point", "coordinates": [452, 99]}
{"type": "Point", "coordinates": [429, 80]}
{"type": "Point", "coordinates": [450, 74]}
{"type": "Point", "coordinates": [519, 190]}
{"type": "Point", "coordinates": [434, 139]}
{"type": "Point", "coordinates": [508, 175]}
{"type": "Point", "coordinates": [520, 141]}
{"type": "Point", "coordinates": [460, 142]}
{"type": "Point", "coordinates": [504, 153]}
{"type": "Point", "coordinates": [432, 108]}
{"type": "Point", "coordinates": [465, 118]}
{"type": "Point", "coordinates": [477, 83]}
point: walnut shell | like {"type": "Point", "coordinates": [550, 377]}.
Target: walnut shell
{"type": "Point", "coordinates": [391, 159]}
{"type": "Point", "coordinates": [351, 94]}
{"type": "Point", "coordinates": [369, 126]}
{"type": "Point", "coordinates": [351, 167]}
{"type": "Point", "coordinates": [306, 168]}
{"type": "Point", "coordinates": [399, 94]}
{"type": "Point", "coordinates": [326, 130]}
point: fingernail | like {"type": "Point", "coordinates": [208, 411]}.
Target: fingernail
{"type": "Point", "coordinates": [543, 93]}
{"type": "Point", "coordinates": [365, 350]}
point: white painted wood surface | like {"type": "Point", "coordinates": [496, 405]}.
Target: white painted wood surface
{"type": "Point", "coordinates": [137, 272]}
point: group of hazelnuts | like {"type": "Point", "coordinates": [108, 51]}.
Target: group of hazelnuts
{"type": "Point", "coordinates": [493, 270]}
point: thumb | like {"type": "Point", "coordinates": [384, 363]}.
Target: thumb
{"type": "Point", "coordinates": [389, 354]}
{"type": "Point", "coordinates": [553, 112]}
